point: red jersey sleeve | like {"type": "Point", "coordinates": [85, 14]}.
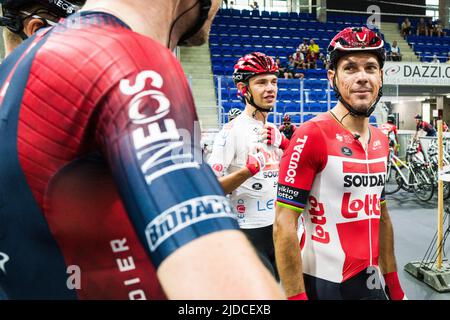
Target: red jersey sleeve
{"type": "Point", "coordinates": [148, 130]}
{"type": "Point", "coordinates": [305, 157]}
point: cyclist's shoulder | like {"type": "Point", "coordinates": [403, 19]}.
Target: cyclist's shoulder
{"type": "Point", "coordinates": [377, 131]}
{"type": "Point", "coordinates": [318, 125]}
{"type": "Point", "coordinates": [102, 38]}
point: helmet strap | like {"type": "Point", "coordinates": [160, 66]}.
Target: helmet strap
{"type": "Point", "coordinates": [248, 98]}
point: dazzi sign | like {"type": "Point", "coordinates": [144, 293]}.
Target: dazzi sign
{"type": "Point", "coordinates": [424, 74]}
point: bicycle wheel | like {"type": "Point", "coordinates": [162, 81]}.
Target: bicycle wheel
{"type": "Point", "coordinates": [392, 184]}
{"type": "Point", "coordinates": [424, 189]}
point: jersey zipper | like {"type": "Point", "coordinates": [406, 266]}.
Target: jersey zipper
{"type": "Point", "coordinates": [370, 214]}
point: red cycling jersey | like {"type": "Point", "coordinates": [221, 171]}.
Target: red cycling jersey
{"type": "Point", "coordinates": [339, 186]}
{"type": "Point", "coordinates": [387, 128]}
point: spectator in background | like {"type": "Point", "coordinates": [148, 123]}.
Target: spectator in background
{"type": "Point", "coordinates": [287, 128]}
{"type": "Point", "coordinates": [313, 47]}
{"type": "Point", "coordinates": [225, 2]}
{"type": "Point", "coordinates": [304, 48]}
{"type": "Point", "coordinates": [282, 69]}
{"type": "Point", "coordinates": [231, 4]}
{"type": "Point", "coordinates": [311, 60]}
{"type": "Point", "coordinates": [430, 27]}
{"type": "Point", "coordinates": [405, 28]}
{"type": "Point", "coordinates": [255, 5]}
{"type": "Point", "coordinates": [394, 54]}
{"type": "Point", "coordinates": [422, 29]}
{"type": "Point", "coordinates": [324, 60]}
{"type": "Point", "coordinates": [435, 59]}
{"type": "Point", "coordinates": [448, 58]}
{"type": "Point", "coordinates": [437, 29]}
{"type": "Point", "coordinates": [291, 69]}
{"type": "Point", "coordinates": [299, 59]}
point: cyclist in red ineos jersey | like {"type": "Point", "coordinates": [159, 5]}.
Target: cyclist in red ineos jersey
{"type": "Point", "coordinates": [98, 177]}
{"type": "Point", "coordinates": [334, 173]}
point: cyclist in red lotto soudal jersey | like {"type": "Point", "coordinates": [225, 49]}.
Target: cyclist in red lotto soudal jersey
{"type": "Point", "coordinates": [102, 195]}
{"type": "Point", "coordinates": [390, 129]}
{"type": "Point", "coordinates": [246, 154]}
{"type": "Point", "coordinates": [334, 173]}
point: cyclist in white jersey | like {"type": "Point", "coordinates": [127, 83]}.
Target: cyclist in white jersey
{"type": "Point", "coordinates": [246, 153]}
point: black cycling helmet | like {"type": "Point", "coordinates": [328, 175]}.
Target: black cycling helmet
{"type": "Point", "coordinates": [418, 117]}
{"type": "Point", "coordinates": [13, 17]}
{"type": "Point", "coordinates": [391, 118]}
{"type": "Point", "coordinates": [205, 6]}
{"type": "Point", "coordinates": [61, 8]}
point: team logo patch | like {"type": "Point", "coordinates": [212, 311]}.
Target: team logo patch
{"type": "Point", "coordinates": [257, 186]}
{"type": "Point", "coordinates": [217, 167]}
{"type": "Point", "coordinates": [240, 208]}
{"type": "Point", "coordinates": [346, 151]}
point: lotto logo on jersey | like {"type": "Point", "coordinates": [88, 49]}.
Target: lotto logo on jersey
{"type": "Point", "coordinates": [184, 215]}
{"type": "Point", "coordinates": [351, 207]}
{"type": "Point", "coordinates": [318, 219]}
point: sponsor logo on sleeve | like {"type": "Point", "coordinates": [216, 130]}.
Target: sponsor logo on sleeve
{"type": "Point", "coordinates": [184, 215]}
{"type": "Point", "coordinates": [156, 138]}
{"type": "Point", "coordinates": [295, 158]}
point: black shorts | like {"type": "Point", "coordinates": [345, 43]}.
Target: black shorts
{"type": "Point", "coordinates": [262, 240]}
{"type": "Point", "coordinates": [363, 286]}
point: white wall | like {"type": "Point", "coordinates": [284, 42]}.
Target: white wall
{"type": "Point", "coordinates": [407, 110]}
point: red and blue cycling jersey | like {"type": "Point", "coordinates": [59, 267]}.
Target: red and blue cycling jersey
{"type": "Point", "coordinates": [338, 185]}
{"type": "Point", "coordinates": [101, 178]}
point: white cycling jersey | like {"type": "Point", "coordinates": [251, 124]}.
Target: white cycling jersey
{"type": "Point", "coordinates": [254, 200]}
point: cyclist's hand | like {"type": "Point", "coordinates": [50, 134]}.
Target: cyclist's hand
{"type": "Point", "coordinates": [272, 136]}
{"type": "Point", "coordinates": [394, 289]}
{"type": "Point", "coordinates": [255, 162]}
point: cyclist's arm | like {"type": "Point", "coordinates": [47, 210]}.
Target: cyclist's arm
{"type": "Point", "coordinates": [232, 181]}
{"type": "Point", "coordinates": [308, 149]}
{"type": "Point", "coordinates": [145, 127]}
{"type": "Point", "coordinates": [386, 242]}
{"type": "Point", "coordinates": [223, 152]}
{"type": "Point", "coordinates": [288, 255]}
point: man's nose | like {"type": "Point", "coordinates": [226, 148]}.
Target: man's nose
{"type": "Point", "coordinates": [363, 77]}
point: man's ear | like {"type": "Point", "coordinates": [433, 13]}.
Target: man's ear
{"type": "Point", "coordinates": [242, 88]}
{"type": "Point", "coordinates": [330, 75]}
{"type": "Point", "coordinates": [32, 25]}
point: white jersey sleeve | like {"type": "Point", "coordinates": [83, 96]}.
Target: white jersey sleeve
{"type": "Point", "coordinates": [223, 150]}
